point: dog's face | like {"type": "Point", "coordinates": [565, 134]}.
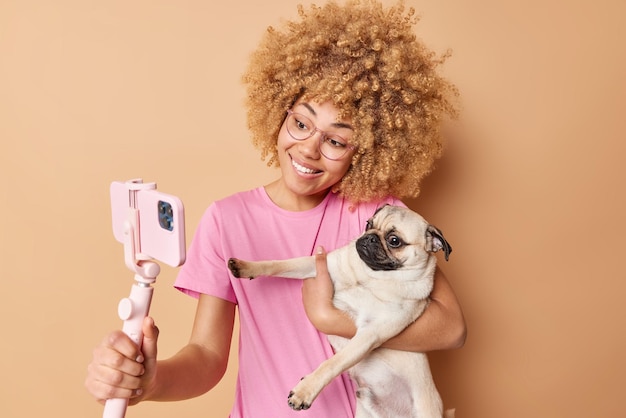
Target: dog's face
{"type": "Point", "coordinates": [398, 238]}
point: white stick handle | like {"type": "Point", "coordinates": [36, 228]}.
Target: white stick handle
{"type": "Point", "coordinates": [115, 408]}
{"type": "Point", "coordinates": [132, 310]}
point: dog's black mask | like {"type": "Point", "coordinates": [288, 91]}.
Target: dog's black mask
{"type": "Point", "coordinates": [371, 251]}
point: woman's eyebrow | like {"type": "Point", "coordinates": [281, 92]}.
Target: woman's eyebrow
{"type": "Point", "coordinates": [343, 125]}
{"type": "Point", "coordinates": [335, 124]}
{"type": "Point", "coordinates": [309, 107]}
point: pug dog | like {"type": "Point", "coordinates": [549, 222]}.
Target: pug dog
{"type": "Point", "coordinates": [383, 280]}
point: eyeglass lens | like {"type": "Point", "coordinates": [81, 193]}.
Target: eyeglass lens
{"type": "Point", "coordinates": [331, 145]}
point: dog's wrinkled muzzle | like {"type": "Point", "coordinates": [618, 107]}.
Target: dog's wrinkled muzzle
{"type": "Point", "coordinates": [371, 251]}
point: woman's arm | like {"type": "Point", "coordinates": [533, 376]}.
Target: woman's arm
{"type": "Point", "coordinates": [440, 327]}
{"type": "Point", "coordinates": [119, 370]}
{"type": "Point", "coordinates": [200, 365]}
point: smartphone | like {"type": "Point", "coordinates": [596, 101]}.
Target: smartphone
{"type": "Point", "coordinates": [161, 221]}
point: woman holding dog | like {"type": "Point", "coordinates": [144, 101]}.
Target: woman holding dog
{"type": "Point", "coordinates": [348, 103]}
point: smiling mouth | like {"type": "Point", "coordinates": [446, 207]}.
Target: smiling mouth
{"type": "Point", "coordinates": [302, 169]}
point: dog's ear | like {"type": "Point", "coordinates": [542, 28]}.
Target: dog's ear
{"type": "Point", "coordinates": [370, 222]}
{"type": "Point", "coordinates": [435, 241]}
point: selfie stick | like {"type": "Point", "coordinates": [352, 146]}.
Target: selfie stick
{"type": "Point", "coordinates": [133, 309]}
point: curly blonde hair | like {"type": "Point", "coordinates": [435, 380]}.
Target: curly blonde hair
{"type": "Point", "coordinates": [366, 59]}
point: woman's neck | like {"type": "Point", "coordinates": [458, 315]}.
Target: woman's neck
{"type": "Point", "coordinates": [286, 199]}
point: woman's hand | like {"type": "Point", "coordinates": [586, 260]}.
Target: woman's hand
{"type": "Point", "coordinates": [317, 296]}
{"type": "Point", "coordinates": [119, 369]}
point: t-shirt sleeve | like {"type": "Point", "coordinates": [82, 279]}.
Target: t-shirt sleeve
{"type": "Point", "coordinates": [205, 271]}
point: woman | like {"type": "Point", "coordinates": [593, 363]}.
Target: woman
{"type": "Point", "coordinates": [348, 104]}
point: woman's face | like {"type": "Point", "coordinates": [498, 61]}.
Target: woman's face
{"type": "Point", "coordinates": [306, 173]}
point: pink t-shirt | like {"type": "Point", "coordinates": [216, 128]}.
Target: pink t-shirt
{"type": "Point", "coordinates": [277, 343]}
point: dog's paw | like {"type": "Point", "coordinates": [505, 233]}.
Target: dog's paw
{"type": "Point", "coordinates": [233, 266]}
{"type": "Point", "coordinates": [302, 396]}
{"type": "Point", "coordinates": [296, 403]}
{"type": "Point", "coordinates": [238, 268]}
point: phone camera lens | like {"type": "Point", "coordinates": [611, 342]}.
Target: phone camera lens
{"type": "Point", "coordinates": [166, 215]}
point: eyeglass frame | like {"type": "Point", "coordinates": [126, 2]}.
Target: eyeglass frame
{"type": "Point", "coordinates": [324, 135]}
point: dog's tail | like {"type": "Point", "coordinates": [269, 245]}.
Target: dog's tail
{"type": "Point", "coordinates": [449, 413]}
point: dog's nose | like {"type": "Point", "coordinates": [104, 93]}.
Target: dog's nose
{"type": "Point", "coordinates": [371, 238]}
{"type": "Point", "coordinates": [368, 240]}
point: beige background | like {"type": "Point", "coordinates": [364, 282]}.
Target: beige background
{"type": "Point", "coordinates": [530, 195]}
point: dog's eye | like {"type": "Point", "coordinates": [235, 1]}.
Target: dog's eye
{"type": "Point", "coordinates": [369, 225]}
{"type": "Point", "coordinates": [394, 242]}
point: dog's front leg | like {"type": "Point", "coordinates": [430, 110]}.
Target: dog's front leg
{"type": "Point", "coordinates": [305, 392]}
{"type": "Point", "coordinates": [294, 268]}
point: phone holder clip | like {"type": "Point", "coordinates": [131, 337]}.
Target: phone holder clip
{"type": "Point", "coordinates": [142, 265]}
